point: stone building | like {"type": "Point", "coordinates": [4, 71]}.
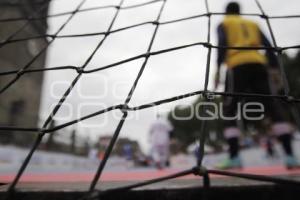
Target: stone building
{"type": "Point", "coordinates": [19, 104]}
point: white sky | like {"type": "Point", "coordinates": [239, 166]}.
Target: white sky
{"type": "Point", "coordinates": [166, 75]}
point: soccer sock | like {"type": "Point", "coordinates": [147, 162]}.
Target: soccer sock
{"type": "Point", "coordinates": [233, 147]}
{"type": "Point", "coordinates": [286, 142]}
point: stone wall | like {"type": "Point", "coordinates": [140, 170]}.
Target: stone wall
{"type": "Point", "coordinates": [19, 105]}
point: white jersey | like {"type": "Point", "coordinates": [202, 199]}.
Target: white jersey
{"type": "Point", "coordinates": [160, 132]}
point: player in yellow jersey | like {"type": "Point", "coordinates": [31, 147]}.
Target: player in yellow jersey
{"type": "Point", "coordinates": [247, 72]}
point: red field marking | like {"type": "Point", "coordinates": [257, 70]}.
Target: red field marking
{"type": "Point", "coordinates": [136, 175]}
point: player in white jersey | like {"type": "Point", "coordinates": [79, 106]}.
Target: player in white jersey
{"type": "Point", "coordinates": [160, 141]}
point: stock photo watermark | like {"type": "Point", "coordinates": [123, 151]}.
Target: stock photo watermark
{"type": "Point", "coordinates": [110, 91]}
{"type": "Point", "coordinates": [206, 111]}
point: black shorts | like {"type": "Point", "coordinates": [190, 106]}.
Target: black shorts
{"type": "Point", "coordinates": [250, 78]}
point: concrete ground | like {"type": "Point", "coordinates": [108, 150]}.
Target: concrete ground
{"type": "Point", "coordinates": [221, 188]}
{"type": "Point", "coordinates": [64, 177]}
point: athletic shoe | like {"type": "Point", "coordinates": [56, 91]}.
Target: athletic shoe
{"type": "Point", "coordinates": [291, 162]}
{"type": "Point", "coordinates": [231, 163]}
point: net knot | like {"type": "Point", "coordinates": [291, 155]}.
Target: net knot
{"type": "Point", "coordinates": [208, 14]}
{"type": "Point", "coordinates": [209, 95]}
{"type": "Point", "coordinates": [278, 49]}
{"type": "Point", "coordinates": [264, 16]}
{"type": "Point", "coordinates": [43, 130]}
{"type": "Point", "coordinates": [20, 72]}
{"type": "Point", "coordinates": [207, 45]}
{"type": "Point", "coordinates": [124, 108]}
{"type": "Point", "coordinates": [79, 70]}
{"type": "Point", "coordinates": [51, 36]}
{"type": "Point", "coordinates": [200, 171]}
{"type": "Point", "coordinates": [155, 23]}
{"type": "Point", "coordinates": [147, 55]}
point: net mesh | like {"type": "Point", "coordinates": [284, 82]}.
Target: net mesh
{"type": "Point", "coordinates": [198, 170]}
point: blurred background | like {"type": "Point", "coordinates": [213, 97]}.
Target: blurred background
{"type": "Point", "coordinates": [80, 147]}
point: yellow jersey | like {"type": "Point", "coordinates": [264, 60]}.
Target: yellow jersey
{"type": "Point", "coordinates": [240, 32]}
